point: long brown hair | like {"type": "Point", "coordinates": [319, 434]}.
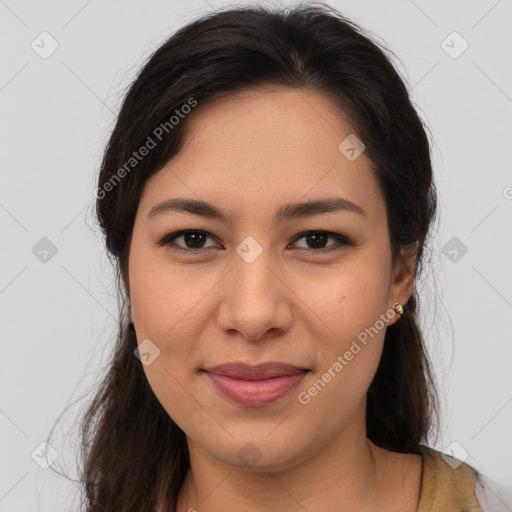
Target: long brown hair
{"type": "Point", "coordinates": [134, 457]}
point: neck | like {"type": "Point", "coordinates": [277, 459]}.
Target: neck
{"type": "Point", "coordinates": [342, 475]}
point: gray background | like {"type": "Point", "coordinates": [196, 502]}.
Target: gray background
{"type": "Point", "coordinates": [58, 310]}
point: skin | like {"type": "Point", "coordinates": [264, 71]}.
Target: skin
{"type": "Point", "coordinates": [248, 154]}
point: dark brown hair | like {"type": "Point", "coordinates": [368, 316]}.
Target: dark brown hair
{"type": "Point", "coordinates": [134, 456]}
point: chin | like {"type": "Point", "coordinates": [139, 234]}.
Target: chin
{"type": "Point", "coordinates": [260, 453]}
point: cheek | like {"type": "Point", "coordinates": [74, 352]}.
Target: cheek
{"type": "Point", "coordinates": [348, 362]}
{"type": "Point", "coordinates": [166, 299]}
{"type": "Point", "coordinates": [165, 310]}
{"type": "Point", "coordinates": [353, 307]}
{"type": "Point", "coordinates": [350, 298]}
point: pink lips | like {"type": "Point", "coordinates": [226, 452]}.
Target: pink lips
{"type": "Point", "coordinates": [258, 385]}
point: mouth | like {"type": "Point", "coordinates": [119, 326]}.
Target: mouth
{"type": "Point", "coordinates": [255, 385]}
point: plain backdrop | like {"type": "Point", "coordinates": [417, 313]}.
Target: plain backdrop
{"type": "Point", "coordinates": [57, 295]}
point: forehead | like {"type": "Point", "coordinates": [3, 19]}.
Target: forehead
{"type": "Point", "coordinates": [256, 146]}
{"type": "Point", "coordinates": [283, 117]}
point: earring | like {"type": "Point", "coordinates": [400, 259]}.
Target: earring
{"type": "Point", "coordinates": [398, 308]}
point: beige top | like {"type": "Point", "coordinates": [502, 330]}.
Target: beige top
{"type": "Point", "coordinates": [447, 484]}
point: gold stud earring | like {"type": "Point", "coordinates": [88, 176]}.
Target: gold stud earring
{"type": "Point", "coordinates": [398, 308]}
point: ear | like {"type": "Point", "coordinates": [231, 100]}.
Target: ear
{"type": "Point", "coordinates": [402, 280]}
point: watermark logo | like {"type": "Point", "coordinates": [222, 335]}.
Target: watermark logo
{"type": "Point", "coordinates": [44, 250]}
{"type": "Point", "coordinates": [249, 249]}
{"type": "Point", "coordinates": [351, 147]}
{"type": "Point", "coordinates": [249, 454]}
{"type": "Point", "coordinates": [147, 352]}
{"type": "Point", "coordinates": [44, 45]}
{"type": "Point", "coordinates": [454, 45]}
{"type": "Point", "coordinates": [455, 454]}
{"type": "Point", "coordinates": [454, 249]}
{"type": "Point", "coordinates": [44, 455]}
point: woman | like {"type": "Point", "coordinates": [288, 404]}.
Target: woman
{"type": "Point", "coordinates": [266, 196]}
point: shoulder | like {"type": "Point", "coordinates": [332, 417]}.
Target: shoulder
{"type": "Point", "coordinates": [447, 484]}
{"type": "Point", "coordinates": [450, 484]}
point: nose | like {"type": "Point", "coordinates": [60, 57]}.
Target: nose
{"type": "Point", "coordinates": [255, 301]}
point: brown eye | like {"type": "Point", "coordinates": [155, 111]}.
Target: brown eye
{"type": "Point", "coordinates": [316, 240]}
{"type": "Point", "coordinates": [193, 240]}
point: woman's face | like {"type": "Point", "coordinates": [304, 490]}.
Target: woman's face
{"type": "Point", "coordinates": [256, 287]}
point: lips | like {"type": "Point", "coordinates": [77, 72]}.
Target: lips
{"type": "Point", "coordinates": [255, 385]}
{"type": "Point", "coordinates": [244, 371]}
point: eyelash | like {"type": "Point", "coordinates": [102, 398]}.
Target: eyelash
{"type": "Point", "coordinates": [167, 240]}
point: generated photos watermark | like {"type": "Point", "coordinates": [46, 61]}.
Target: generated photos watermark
{"type": "Point", "coordinates": [151, 142]}
{"type": "Point", "coordinates": [305, 397]}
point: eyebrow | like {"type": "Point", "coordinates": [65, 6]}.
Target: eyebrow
{"type": "Point", "coordinates": [285, 212]}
